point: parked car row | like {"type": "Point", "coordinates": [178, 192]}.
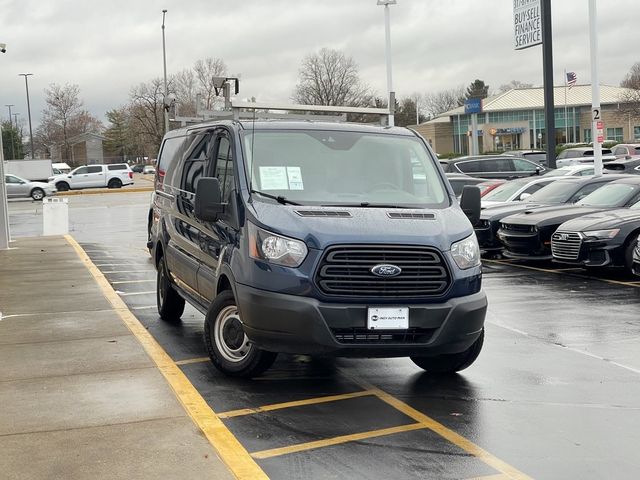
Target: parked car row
{"type": "Point", "coordinates": [144, 169]}
{"type": "Point", "coordinates": [18, 187]}
{"type": "Point", "coordinates": [586, 221]}
{"type": "Point", "coordinates": [115, 175]}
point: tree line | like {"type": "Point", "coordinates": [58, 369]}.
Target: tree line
{"type": "Point", "coordinates": [327, 77]}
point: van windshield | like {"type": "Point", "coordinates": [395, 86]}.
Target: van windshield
{"type": "Point", "coordinates": [318, 167]}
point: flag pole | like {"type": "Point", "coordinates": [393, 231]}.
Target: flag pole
{"type": "Point", "coordinates": [566, 122]}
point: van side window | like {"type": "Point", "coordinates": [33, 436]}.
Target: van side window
{"type": "Point", "coordinates": [169, 149]}
{"type": "Point", "coordinates": [195, 165]}
{"type": "Point", "coordinates": [224, 167]}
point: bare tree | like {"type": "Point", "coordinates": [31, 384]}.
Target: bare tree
{"type": "Point", "coordinates": [513, 84]}
{"type": "Point", "coordinates": [204, 71]}
{"type": "Point", "coordinates": [443, 101]}
{"type": "Point", "coordinates": [64, 118]}
{"type": "Point", "coordinates": [146, 112]}
{"type": "Point", "coordinates": [630, 98]}
{"type": "Point", "coordinates": [185, 85]}
{"type": "Point", "coordinates": [329, 77]}
{"type": "Point", "coordinates": [632, 79]}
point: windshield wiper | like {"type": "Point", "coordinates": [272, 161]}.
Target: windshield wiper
{"type": "Point", "coordinates": [277, 198]}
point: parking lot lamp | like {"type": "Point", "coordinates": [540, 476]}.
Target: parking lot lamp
{"type": "Point", "coordinates": [165, 107]}
{"type": "Point", "coordinates": [387, 35]}
{"type": "Point", "coordinates": [26, 84]}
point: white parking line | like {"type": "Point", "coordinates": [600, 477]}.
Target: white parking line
{"type": "Point", "coordinates": [125, 294]}
{"type": "Point", "coordinates": [572, 349]}
{"type": "Point", "coordinates": [143, 308]}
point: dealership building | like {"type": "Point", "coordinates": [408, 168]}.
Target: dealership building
{"type": "Point", "coordinates": [515, 120]}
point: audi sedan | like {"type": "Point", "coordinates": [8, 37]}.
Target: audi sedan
{"type": "Point", "coordinates": [605, 239]}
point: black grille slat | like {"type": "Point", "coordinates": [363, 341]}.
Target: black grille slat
{"type": "Point", "coordinates": [346, 271]}
{"type": "Point", "coordinates": [412, 216]}
{"type": "Point", "coordinates": [323, 213]}
{"type": "Point", "coordinates": [360, 336]}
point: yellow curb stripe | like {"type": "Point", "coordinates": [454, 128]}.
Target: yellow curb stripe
{"type": "Point", "coordinates": [232, 453]}
{"type": "Point", "coordinates": [296, 403]}
{"type": "Point", "coordinates": [453, 437]}
{"type": "Point", "coordinates": [189, 361]}
{"type": "Point", "coordinates": [275, 452]}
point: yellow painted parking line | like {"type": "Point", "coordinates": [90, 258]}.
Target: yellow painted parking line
{"type": "Point", "coordinates": [453, 437]}
{"type": "Point", "coordinates": [189, 361]}
{"type": "Point", "coordinates": [499, 476]}
{"type": "Point", "coordinates": [296, 403]}
{"type": "Point", "coordinates": [232, 453]}
{"type": "Point", "coordinates": [275, 452]}
{"type": "Point", "coordinates": [561, 270]}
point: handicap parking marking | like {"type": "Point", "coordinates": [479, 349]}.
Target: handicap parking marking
{"type": "Point", "coordinates": [229, 447]}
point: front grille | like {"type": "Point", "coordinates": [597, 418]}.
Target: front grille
{"type": "Point", "coordinates": [346, 271]}
{"type": "Point", "coordinates": [362, 336]}
{"type": "Point", "coordinates": [515, 227]}
{"type": "Point", "coordinates": [566, 245]}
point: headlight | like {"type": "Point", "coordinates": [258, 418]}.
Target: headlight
{"type": "Point", "coordinates": [264, 245]}
{"type": "Point", "coordinates": [466, 253]}
{"type": "Point", "coordinates": [602, 234]}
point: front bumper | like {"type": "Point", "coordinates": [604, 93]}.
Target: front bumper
{"type": "Point", "coordinates": [295, 324]}
{"type": "Point", "coordinates": [526, 245]}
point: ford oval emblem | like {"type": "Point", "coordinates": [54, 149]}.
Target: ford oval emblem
{"type": "Point", "coordinates": [386, 270]}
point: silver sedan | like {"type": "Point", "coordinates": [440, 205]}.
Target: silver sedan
{"type": "Point", "coordinates": [21, 188]}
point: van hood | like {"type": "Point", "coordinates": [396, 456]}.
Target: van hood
{"type": "Point", "coordinates": [542, 217]}
{"type": "Point", "coordinates": [603, 220]}
{"type": "Point", "coordinates": [433, 227]}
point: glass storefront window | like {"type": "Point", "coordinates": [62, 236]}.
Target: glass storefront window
{"type": "Point", "coordinates": [615, 134]}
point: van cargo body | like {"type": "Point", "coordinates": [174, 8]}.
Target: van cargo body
{"type": "Point", "coordinates": [316, 238]}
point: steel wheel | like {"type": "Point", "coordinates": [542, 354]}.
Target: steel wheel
{"type": "Point", "coordinates": [229, 336]}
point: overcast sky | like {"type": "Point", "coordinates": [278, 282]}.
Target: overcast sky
{"type": "Point", "coordinates": [107, 47]}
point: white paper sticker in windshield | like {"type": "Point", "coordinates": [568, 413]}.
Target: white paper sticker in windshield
{"type": "Point", "coordinates": [295, 178]}
{"type": "Point", "coordinates": [273, 178]}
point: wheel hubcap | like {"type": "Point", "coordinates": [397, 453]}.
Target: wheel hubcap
{"type": "Point", "coordinates": [229, 336]}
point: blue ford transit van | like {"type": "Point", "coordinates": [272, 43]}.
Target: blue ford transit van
{"type": "Point", "coordinates": [316, 238]}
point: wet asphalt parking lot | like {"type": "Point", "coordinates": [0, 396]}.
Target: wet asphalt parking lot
{"type": "Point", "coordinates": [555, 393]}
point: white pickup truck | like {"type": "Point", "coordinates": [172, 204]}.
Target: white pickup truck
{"type": "Point", "coordinates": [112, 176]}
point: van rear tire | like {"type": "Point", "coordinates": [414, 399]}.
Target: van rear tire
{"type": "Point", "coordinates": [170, 303]}
{"type": "Point", "coordinates": [451, 363]}
{"type": "Point", "coordinates": [229, 348]}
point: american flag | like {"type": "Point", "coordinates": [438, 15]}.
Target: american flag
{"type": "Point", "coordinates": [572, 78]}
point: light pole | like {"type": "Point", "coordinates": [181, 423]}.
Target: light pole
{"type": "Point", "coordinates": [165, 107]}
{"type": "Point", "coordinates": [13, 151]}
{"type": "Point", "coordinates": [387, 35]}
{"type": "Point", "coordinates": [26, 84]}
{"type": "Point", "coordinates": [597, 127]}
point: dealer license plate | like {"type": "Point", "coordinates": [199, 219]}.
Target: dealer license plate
{"type": "Point", "coordinates": [393, 318]}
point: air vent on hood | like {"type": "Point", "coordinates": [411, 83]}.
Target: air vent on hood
{"type": "Point", "coordinates": [415, 216]}
{"type": "Point", "coordinates": [323, 213]}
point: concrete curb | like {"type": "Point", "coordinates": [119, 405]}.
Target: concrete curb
{"type": "Point", "coordinates": [96, 191]}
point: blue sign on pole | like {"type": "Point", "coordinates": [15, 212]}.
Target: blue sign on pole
{"type": "Point", "coordinates": [473, 105]}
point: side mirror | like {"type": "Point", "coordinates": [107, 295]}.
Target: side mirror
{"type": "Point", "coordinates": [524, 196]}
{"type": "Point", "coordinates": [538, 170]}
{"type": "Point", "coordinates": [470, 203]}
{"type": "Point", "coordinates": [208, 204]}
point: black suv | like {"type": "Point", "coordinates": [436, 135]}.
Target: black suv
{"type": "Point", "coordinates": [499, 166]}
{"type": "Point", "coordinates": [316, 238]}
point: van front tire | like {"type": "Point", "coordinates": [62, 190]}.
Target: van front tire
{"type": "Point", "coordinates": [170, 304]}
{"type": "Point", "coordinates": [229, 347]}
{"type": "Point", "coordinates": [451, 363]}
